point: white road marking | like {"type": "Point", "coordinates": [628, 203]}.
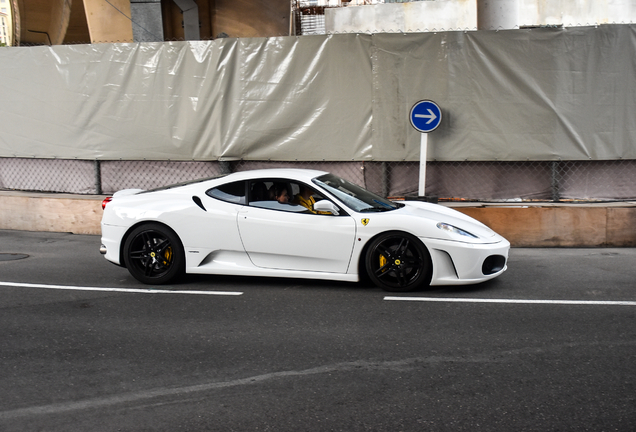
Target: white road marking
{"type": "Point", "coordinates": [126, 290]}
{"type": "Point", "coordinates": [513, 301]}
{"type": "Point", "coordinates": [178, 393]}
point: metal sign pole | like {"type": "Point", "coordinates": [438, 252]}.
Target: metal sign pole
{"type": "Point", "coordinates": [423, 149]}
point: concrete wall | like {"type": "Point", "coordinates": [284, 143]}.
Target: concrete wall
{"type": "Point", "coordinates": [394, 17]}
{"type": "Point", "coordinates": [537, 226]}
{"type": "Point", "coordinates": [147, 24]}
{"type": "Point", "coordinates": [572, 225]}
{"type": "Point", "coordinates": [462, 14]}
{"type": "Point", "coordinates": [572, 13]}
{"type": "Point", "coordinates": [25, 211]}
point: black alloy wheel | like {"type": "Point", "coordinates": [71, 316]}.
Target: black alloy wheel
{"type": "Point", "coordinates": [153, 254]}
{"type": "Point", "coordinates": [398, 262]}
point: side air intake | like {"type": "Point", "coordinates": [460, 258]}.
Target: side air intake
{"type": "Point", "coordinates": [493, 264]}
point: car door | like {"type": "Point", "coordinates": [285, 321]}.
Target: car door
{"type": "Point", "coordinates": [283, 239]}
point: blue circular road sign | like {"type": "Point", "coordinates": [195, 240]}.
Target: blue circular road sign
{"type": "Point", "coordinates": [425, 116]}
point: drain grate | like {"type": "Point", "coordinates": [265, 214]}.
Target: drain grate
{"type": "Point", "coordinates": [12, 256]}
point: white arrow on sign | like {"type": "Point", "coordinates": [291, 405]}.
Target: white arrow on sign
{"type": "Point", "coordinates": [430, 116]}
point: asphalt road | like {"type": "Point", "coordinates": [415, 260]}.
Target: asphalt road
{"type": "Point", "coordinates": [550, 345]}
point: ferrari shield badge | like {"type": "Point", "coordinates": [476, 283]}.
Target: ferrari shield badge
{"type": "Point", "coordinates": [365, 221]}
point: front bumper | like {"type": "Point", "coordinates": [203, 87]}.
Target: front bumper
{"type": "Point", "coordinates": [456, 263]}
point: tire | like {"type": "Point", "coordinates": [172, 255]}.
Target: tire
{"type": "Point", "coordinates": [398, 262]}
{"type": "Point", "coordinates": [153, 254]}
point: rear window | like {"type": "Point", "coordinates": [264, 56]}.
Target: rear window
{"type": "Point", "coordinates": [185, 183]}
{"type": "Point", "coordinates": [229, 192]}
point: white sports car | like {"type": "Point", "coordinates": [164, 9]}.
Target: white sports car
{"type": "Point", "coordinates": [295, 223]}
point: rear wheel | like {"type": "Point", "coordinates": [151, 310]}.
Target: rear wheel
{"type": "Point", "coordinates": [153, 254]}
{"type": "Point", "coordinates": [398, 262]}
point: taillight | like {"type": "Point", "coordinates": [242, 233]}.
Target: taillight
{"type": "Point", "coordinates": [106, 201]}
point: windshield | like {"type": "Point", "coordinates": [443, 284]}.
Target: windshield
{"type": "Point", "coordinates": [353, 196]}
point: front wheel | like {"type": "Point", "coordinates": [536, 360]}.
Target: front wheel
{"type": "Point", "coordinates": [153, 254]}
{"type": "Point", "coordinates": [398, 262]}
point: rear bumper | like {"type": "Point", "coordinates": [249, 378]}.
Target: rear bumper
{"type": "Point", "coordinates": [111, 243]}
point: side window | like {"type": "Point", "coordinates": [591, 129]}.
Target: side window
{"type": "Point", "coordinates": [282, 194]}
{"type": "Point", "coordinates": [273, 194]}
{"type": "Point", "coordinates": [307, 197]}
{"type": "Point", "coordinates": [229, 192]}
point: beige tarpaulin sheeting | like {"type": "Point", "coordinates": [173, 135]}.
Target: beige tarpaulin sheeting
{"type": "Point", "coordinates": [540, 94]}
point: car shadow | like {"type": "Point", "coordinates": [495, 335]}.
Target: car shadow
{"type": "Point", "coordinates": [487, 286]}
{"type": "Point", "coordinates": [244, 282]}
{"type": "Point", "coordinates": [238, 283]}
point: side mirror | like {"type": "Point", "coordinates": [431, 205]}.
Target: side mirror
{"type": "Point", "coordinates": [326, 206]}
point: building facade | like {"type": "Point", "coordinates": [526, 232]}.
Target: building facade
{"type": "Point", "coordinates": [53, 22]}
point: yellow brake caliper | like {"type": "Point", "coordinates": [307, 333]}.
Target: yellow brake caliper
{"type": "Point", "coordinates": [382, 262]}
{"type": "Point", "coordinates": [167, 256]}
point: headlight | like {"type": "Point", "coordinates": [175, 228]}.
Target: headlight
{"type": "Point", "coordinates": [454, 229]}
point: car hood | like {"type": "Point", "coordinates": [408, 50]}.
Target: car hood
{"type": "Point", "coordinates": [447, 215]}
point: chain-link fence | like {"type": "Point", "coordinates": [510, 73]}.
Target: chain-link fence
{"type": "Point", "coordinates": [457, 181]}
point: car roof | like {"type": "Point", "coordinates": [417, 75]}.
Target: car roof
{"type": "Point", "coordinates": [298, 174]}
{"type": "Point", "coordinates": [290, 173]}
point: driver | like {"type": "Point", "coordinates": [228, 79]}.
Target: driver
{"type": "Point", "coordinates": [305, 199]}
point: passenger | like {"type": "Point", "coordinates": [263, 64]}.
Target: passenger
{"type": "Point", "coordinates": [280, 193]}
